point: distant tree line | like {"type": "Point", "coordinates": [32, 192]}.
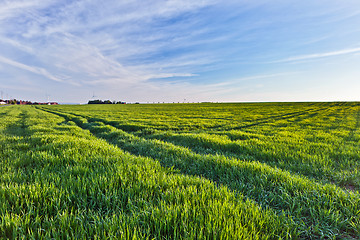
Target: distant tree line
{"type": "Point", "coordinates": [22, 102]}
{"type": "Point", "coordinates": [105, 102]}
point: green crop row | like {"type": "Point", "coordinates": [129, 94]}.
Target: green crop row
{"type": "Point", "coordinates": [180, 171]}
{"type": "Point", "coordinates": [193, 117]}
{"type": "Point", "coordinates": [59, 181]}
{"type": "Point", "coordinates": [317, 140]}
{"type": "Point", "coordinates": [317, 209]}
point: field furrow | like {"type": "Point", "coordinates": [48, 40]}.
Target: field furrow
{"type": "Point", "coordinates": [181, 171]}
{"type": "Point", "coordinates": [310, 204]}
{"type": "Point", "coordinates": [61, 182]}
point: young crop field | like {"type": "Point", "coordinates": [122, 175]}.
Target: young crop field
{"type": "Point", "coordinates": [181, 171]}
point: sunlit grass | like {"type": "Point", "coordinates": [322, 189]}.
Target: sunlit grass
{"type": "Point", "coordinates": [178, 171]}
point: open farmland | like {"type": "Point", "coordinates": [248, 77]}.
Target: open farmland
{"type": "Point", "coordinates": [181, 171]}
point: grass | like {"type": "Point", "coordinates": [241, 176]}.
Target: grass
{"type": "Point", "coordinates": [180, 171]}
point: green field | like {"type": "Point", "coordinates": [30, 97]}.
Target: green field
{"type": "Point", "coordinates": [181, 171]}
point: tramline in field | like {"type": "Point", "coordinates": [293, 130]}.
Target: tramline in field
{"type": "Point", "coordinates": [196, 171]}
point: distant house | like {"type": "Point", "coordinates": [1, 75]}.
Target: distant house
{"type": "Point", "coordinates": [2, 103]}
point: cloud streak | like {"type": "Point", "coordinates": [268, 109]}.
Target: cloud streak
{"type": "Point", "coordinates": [200, 48]}
{"type": "Point", "coordinates": [320, 55]}
{"type": "Point", "coordinates": [36, 70]}
{"type": "Point", "coordinates": [67, 41]}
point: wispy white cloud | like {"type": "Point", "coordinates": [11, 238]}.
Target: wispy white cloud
{"type": "Point", "coordinates": [230, 90]}
{"type": "Point", "coordinates": [167, 47]}
{"type": "Point", "coordinates": [88, 44]}
{"type": "Point", "coordinates": [16, 44]}
{"type": "Point", "coordinates": [250, 78]}
{"type": "Point", "coordinates": [36, 70]}
{"type": "Point", "coordinates": [10, 8]}
{"type": "Point", "coordinates": [319, 55]}
{"type": "Point", "coordinates": [89, 62]}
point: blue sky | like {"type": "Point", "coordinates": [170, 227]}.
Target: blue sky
{"type": "Point", "coordinates": [168, 51]}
